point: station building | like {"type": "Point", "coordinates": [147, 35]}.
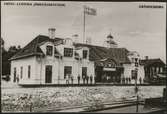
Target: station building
{"type": "Point", "coordinates": [49, 60]}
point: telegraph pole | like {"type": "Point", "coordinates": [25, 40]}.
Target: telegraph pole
{"type": "Point", "coordinates": [136, 89]}
{"type": "Point", "coordinates": [59, 71]}
{"type": "Point", "coordinates": [84, 24]}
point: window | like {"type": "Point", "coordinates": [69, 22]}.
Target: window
{"type": "Point", "coordinates": [85, 54]}
{"type": "Point", "coordinates": [161, 69]}
{"type": "Point", "coordinates": [157, 70]}
{"type": "Point", "coordinates": [55, 51]}
{"type": "Point", "coordinates": [48, 74]}
{"type": "Point", "coordinates": [49, 50]}
{"type": "Point", "coordinates": [136, 59]}
{"type": "Point", "coordinates": [152, 69]}
{"type": "Point", "coordinates": [21, 72]}
{"type": "Point", "coordinates": [29, 71]}
{"type": "Point", "coordinates": [68, 52]}
{"type": "Point", "coordinates": [67, 70]}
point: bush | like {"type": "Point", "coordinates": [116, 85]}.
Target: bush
{"type": "Point", "coordinates": [96, 104]}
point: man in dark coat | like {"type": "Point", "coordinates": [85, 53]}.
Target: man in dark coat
{"type": "Point", "coordinates": [72, 78]}
{"type": "Point", "coordinates": [91, 79]}
{"type": "Point", "coordinates": [87, 79]}
{"type": "Point", "coordinates": [78, 79]}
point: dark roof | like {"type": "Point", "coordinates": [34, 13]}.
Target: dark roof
{"type": "Point", "coordinates": [96, 52]}
{"type": "Point", "coordinates": [149, 62]}
{"type": "Point", "coordinates": [32, 48]}
{"type": "Point", "coordinates": [120, 55]}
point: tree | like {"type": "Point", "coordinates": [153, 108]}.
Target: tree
{"type": "Point", "coordinates": [6, 55]}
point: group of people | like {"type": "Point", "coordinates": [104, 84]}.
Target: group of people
{"type": "Point", "coordinates": [81, 79]}
{"type": "Point", "coordinates": [69, 78]}
{"type": "Point", "coordinates": [110, 79]}
{"type": "Point", "coordinates": [128, 80]}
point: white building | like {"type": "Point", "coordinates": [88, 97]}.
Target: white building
{"type": "Point", "coordinates": [48, 60]}
{"type": "Point", "coordinates": [134, 58]}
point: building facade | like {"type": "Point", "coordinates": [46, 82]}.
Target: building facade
{"type": "Point", "coordinates": [155, 70]}
{"type": "Point", "coordinates": [51, 60]}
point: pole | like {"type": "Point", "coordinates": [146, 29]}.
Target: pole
{"type": "Point", "coordinates": [84, 25]}
{"type": "Point", "coordinates": [41, 70]}
{"type": "Point", "coordinates": [136, 90]}
{"type": "Point", "coordinates": [59, 71]}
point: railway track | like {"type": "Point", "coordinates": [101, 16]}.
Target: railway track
{"type": "Point", "coordinates": [82, 108]}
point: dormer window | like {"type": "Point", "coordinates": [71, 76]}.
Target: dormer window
{"type": "Point", "coordinates": [85, 54]}
{"type": "Point", "coordinates": [49, 50]}
{"type": "Point", "coordinates": [136, 59]}
{"type": "Point", "coordinates": [68, 52]}
{"type": "Point", "coordinates": [55, 51]}
{"type": "Point", "coordinates": [133, 60]}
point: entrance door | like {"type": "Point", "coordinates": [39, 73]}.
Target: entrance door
{"type": "Point", "coordinates": [84, 71]}
{"type": "Point", "coordinates": [67, 71]}
{"type": "Point", "coordinates": [48, 74]}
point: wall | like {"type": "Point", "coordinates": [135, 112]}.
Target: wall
{"type": "Point", "coordinates": [58, 65]}
{"type": "Point", "coordinates": [24, 63]}
{"type": "Point", "coordinates": [127, 72]}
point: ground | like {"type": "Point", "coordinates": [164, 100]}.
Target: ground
{"type": "Point", "coordinates": [129, 109]}
{"type": "Point", "coordinates": [20, 99]}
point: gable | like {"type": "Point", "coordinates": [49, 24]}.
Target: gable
{"type": "Point", "coordinates": [33, 48]}
{"type": "Point", "coordinates": [152, 62]}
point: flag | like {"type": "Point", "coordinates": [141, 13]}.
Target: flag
{"type": "Point", "coordinates": [89, 11]}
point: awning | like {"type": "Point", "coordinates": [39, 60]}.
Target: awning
{"type": "Point", "coordinates": [162, 75]}
{"type": "Point", "coordinates": [159, 76]}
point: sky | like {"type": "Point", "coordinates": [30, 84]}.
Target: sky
{"type": "Point", "coordinates": [136, 29]}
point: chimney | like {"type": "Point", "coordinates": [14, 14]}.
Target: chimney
{"type": "Point", "coordinates": [75, 38]}
{"type": "Point", "coordinates": [146, 57]}
{"type": "Point", "coordinates": [51, 32]}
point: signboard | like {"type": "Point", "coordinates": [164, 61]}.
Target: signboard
{"type": "Point", "coordinates": [58, 42]}
{"type": "Point", "coordinates": [109, 69]}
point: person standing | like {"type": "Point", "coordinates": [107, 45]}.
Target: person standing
{"type": "Point", "coordinates": [72, 78]}
{"type": "Point", "coordinates": [95, 79]}
{"type": "Point", "coordinates": [78, 79]}
{"type": "Point", "coordinates": [69, 76]}
{"type": "Point", "coordinates": [17, 78]}
{"type": "Point", "coordinates": [123, 80]}
{"type": "Point", "coordinates": [83, 79]}
{"type": "Point", "coordinates": [87, 79]}
{"type": "Point", "coordinates": [91, 79]}
{"type": "Point", "coordinates": [140, 80]}
{"type": "Point", "coordinates": [129, 80]}
{"type": "Point", "coordinates": [67, 82]}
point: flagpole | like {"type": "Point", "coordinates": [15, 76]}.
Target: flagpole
{"type": "Point", "coordinates": [84, 25]}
